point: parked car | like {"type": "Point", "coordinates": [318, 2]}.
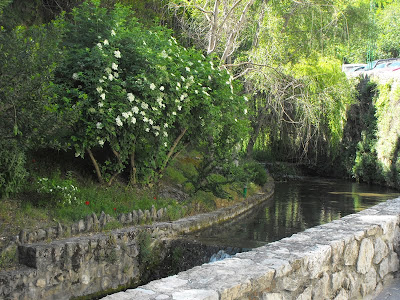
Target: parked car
{"type": "Point", "coordinates": [351, 67]}
{"type": "Point", "coordinates": [380, 63]}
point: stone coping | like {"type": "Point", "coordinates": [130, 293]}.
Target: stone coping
{"type": "Point", "coordinates": [350, 258]}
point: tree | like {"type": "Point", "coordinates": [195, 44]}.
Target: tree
{"type": "Point", "coordinates": [140, 96]}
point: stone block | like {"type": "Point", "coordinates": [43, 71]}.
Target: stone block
{"type": "Point", "coordinates": [365, 256]}
{"type": "Point", "coordinates": [306, 294]}
{"type": "Point", "coordinates": [153, 213]}
{"type": "Point", "coordinates": [337, 280]}
{"type": "Point", "coordinates": [135, 217]}
{"type": "Point", "coordinates": [23, 236]}
{"type": "Point", "coordinates": [272, 296]}
{"type": "Point", "coordinates": [81, 226]}
{"type": "Point", "coordinates": [342, 295]}
{"type": "Point", "coordinates": [128, 218]}
{"type": "Point", "coordinates": [321, 289]}
{"type": "Point", "coordinates": [122, 218]}
{"type": "Point", "coordinates": [141, 218]}
{"type": "Point", "coordinates": [318, 260]}
{"type": "Point", "coordinates": [89, 223]}
{"type": "Point", "coordinates": [369, 283]}
{"type": "Point", "coordinates": [337, 252]}
{"type": "Point", "coordinates": [384, 267]}
{"type": "Point", "coordinates": [393, 262]}
{"type": "Point", "coordinates": [351, 253]}
{"type": "Point", "coordinates": [102, 219]}
{"type": "Point", "coordinates": [60, 230]}
{"type": "Point", "coordinates": [160, 214]}
{"type": "Point", "coordinates": [41, 235]}
{"type": "Point", "coordinates": [195, 295]}
{"type": "Point", "coordinates": [290, 284]}
{"type": "Point", "coordinates": [381, 250]}
{"type": "Point", "coordinates": [147, 215]}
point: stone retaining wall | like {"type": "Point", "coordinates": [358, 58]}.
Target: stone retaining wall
{"type": "Point", "coordinates": [351, 258]}
{"type": "Point", "coordinates": [87, 265]}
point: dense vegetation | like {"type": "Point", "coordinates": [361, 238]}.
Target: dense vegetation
{"type": "Point", "coordinates": [141, 93]}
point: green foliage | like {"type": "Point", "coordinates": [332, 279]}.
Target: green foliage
{"type": "Point", "coordinates": [256, 173]}
{"type": "Point", "coordinates": [138, 93]}
{"type": "Point", "coordinates": [12, 168]}
{"type": "Point", "coordinates": [366, 165]}
{"type": "Point", "coordinates": [27, 121]}
{"type": "Point", "coordinates": [388, 40]}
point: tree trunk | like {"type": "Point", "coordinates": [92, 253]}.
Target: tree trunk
{"type": "Point", "coordinates": [96, 166]}
{"type": "Point", "coordinates": [133, 179]}
{"type": "Point", "coordinates": [172, 150]}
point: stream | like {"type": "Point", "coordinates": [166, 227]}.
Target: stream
{"type": "Point", "coordinates": [296, 206]}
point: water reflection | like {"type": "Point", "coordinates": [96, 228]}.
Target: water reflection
{"type": "Point", "coordinates": [295, 207]}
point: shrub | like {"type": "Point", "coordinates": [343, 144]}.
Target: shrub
{"type": "Point", "coordinates": [60, 192]}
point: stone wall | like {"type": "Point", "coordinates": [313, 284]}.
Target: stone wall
{"type": "Point", "coordinates": [350, 258]}
{"type": "Point", "coordinates": [96, 263]}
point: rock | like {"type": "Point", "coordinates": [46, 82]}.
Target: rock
{"type": "Point", "coordinates": [32, 237]}
{"type": "Point", "coordinates": [321, 289]}
{"type": "Point", "coordinates": [393, 262]}
{"type": "Point", "coordinates": [337, 280]}
{"type": "Point", "coordinates": [129, 218]}
{"type": "Point", "coordinates": [23, 236]}
{"type": "Point", "coordinates": [41, 283]}
{"type": "Point", "coordinates": [384, 267]}
{"type": "Point", "coordinates": [141, 218]}
{"type": "Point", "coordinates": [60, 230]}
{"type": "Point", "coordinates": [122, 218]}
{"type": "Point", "coordinates": [102, 219]}
{"type": "Point", "coordinates": [51, 233]}
{"type": "Point", "coordinates": [351, 253]}
{"type": "Point", "coordinates": [81, 226]}
{"type": "Point", "coordinates": [369, 283]}
{"type": "Point", "coordinates": [89, 223]}
{"type": "Point", "coordinates": [160, 214]}
{"type": "Point", "coordinates": [135, 217]}
{"type": "Point", "coordinates": [290, 284]}
{"type": "Point", "coordinates": [272, 296]}
{"type": "Point", "coordinates": [365, 256]}
{"type": "Point", "coordinates": [153, 213]}
{"type": "Point", "coordinates": [96, 223]}
{"type": "Point", "coordinates": [41, 235]}
{"type": "Point", "coordinates": [342, 295]}
{"type": "Point", "coordinates": [306, 295]}
{"type": "Point", "coordinates": [147, 215]}
{"type": "Point", "coordinates": [381, 250]}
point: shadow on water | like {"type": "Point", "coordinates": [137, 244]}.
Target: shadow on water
{"type": "Point", "coordinates": [296, 205]}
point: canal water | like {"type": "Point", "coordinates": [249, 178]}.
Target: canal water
{"type": "Point", "coordinates": [296, 206]}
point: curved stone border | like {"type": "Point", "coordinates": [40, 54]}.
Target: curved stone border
{"type": "Point", "coordinates": [350, 258]}
{"type": "Point", "coordinates": [85, 265]}
{"type": "Point", "coordinates": [91, 223]}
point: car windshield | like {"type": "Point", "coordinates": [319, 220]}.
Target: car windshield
{"type": "Point", "coordinates": [394, 65]}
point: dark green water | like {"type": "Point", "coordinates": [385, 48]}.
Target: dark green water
{"type": "Point", "coordinates": [296, 205]}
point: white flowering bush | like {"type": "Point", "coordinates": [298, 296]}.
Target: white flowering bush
{"type": "Point", "coordinates": [140, 95]}
{"type": "Point", "coordinates": [61, 192]}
